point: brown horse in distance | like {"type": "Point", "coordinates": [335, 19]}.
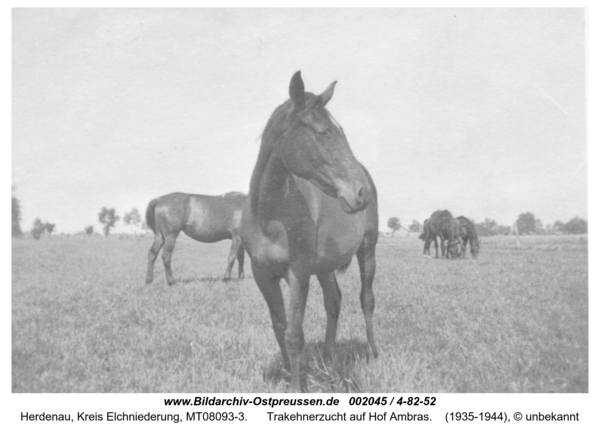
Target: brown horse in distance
{"type": "Point", "coordinates": [467, 233]}
{"type": "Point", "coordinates": [443, 225]}
{"type": "Point", "coordinates": [312, 206]}
{"type": "Point", "coordinates": [204, 218]}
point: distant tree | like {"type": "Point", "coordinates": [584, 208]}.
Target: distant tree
{"type": "Point", "coordinates": [576, 226]}
{"type": "Point", "coordinates": [490, 227]}
{"type": "Point", "coordinates": [526, 223]}
{"type": "Point", "coordinates": [539, 227]}
{"type": "Point", "coordinates": [133, 218]}
{"type": "Point", "coordinates": [549, 229]}
{"type": "Point", "coordinates": [394, 224]}
{"type": "Point", "coordinates": [559, 227]}
{"type": "Point", "coordinates": [16, 218]}
{"type": "Point", "coordinates": [502, 230]}
{"type": "Point", "coordinates": [49, 227]}
{"type": "Point", "coordinates": [38, 229]}
{"type": "Point", "coordinates": [108, 218]}
{"type": "Point", "coordinates": [415, 226]}
{"type": "Point", "coordinates": [89, 230]}
{"type": "Point", "coordinates": [486, 228]}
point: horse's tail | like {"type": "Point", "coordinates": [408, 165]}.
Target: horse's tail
{"type": "Point", "coordinates": [150, 215]}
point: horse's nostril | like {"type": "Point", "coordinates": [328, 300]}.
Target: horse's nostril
{"type": "Point", "coordinates": [361, 195]}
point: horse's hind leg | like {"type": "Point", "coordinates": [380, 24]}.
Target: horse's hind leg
{"type": "Point", "coordinates": [159, 240]}
{"type": "Point", "coordinates": [166, 256]}
{"type": "Point", "coordinates": [235, 245]}
{"type": "Point", "coordinates": [332, 297]}
{"type": "Point", "coordinates": [436, 246]}
{"type": "Point", "coordinates": [240, 257]}
{"type": "Point", "coordinates": [366, 265]}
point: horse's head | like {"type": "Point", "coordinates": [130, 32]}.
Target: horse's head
{"type": "Point", "coordinates": [454, 248]}
{"type": "Point", "coordinates": [314, 147]}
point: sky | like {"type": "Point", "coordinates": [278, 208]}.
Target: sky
{"type": "Point", "coordinates": [478, 111]}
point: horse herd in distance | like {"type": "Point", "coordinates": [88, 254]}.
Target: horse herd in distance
{"type": "Point", "coordinates": [454, 234]}
{"type": "Point", "coordinates": [311, 207]}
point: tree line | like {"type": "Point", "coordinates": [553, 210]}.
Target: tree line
{"type": "Point", "coordinates": [108, 217]}
{"type": "Point", "coordinates": [526, 224]}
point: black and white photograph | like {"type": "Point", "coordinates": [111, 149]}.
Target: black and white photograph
{"type": "Point", "coordinates": [305, 200]}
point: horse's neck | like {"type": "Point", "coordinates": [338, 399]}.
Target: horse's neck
{"type": "Point", "coordinates": [272, 188]}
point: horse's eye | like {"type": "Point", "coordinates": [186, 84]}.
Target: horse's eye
{"type": "Point", "coordinates": [321, 132]}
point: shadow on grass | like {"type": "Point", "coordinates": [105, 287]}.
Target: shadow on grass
{"type": "Point", "coordinates": [324, 370]}
{"type": "Point", "coordinates": [211, 278]}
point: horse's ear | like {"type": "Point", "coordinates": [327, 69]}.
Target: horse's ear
{"type": "Point", "coordinates": [328, 93]}
{"type": "Point", "coordinates": [297, 91]}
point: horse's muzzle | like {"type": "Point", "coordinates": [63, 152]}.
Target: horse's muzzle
{"type": "Point", "coordinates": [354, 202]}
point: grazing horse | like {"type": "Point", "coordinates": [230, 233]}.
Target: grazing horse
{"type": "Point", "coordinates": [423, 237]}
{"type": "Point", "coordinates": [468, 233]}
{"type": "Point", "coordinates": [442, 224]}
{"type": "Point", "coordinates": [312, 206]}
{"type": "Point", "coordinates": [204, 218]}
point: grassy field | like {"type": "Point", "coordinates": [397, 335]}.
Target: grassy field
{"type": "Point", "coordinates": [516, 320]}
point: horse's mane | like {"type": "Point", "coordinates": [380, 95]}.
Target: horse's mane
{"type": "Point", "coordinates": [269, 137]}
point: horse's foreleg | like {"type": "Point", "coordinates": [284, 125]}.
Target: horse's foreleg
{"type": "Point", "coordinates": [332, 297]}
{"type": "Point", "coordinates": [271, 291]}
{"type": "Point", "coordinates": [166, 257]}
{"type": "Point", "coordinates": [235, 244]}
{"type": "Point", "coordinates": [436, 247]}
{"type": "Point", "coordinates": [240, 257]}
{"type": "Point", "coordinates": [426, 246]}
{"type": "Point", "coordinates": [298, 278]}
{"type": "Point", "coordinates": [442, 247]}
{"type": "Point", "coordinates": [152, 254]}
{"type": "Point", "coordinates": [366, 265]}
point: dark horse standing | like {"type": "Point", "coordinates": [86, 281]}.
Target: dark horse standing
{"type": "Point", "coordinates": [204, 218]}
{"type": "Point", "coordinates": [443, 225]}
{"type": "Point", "coordinates": [312, 206]}
{"type": "Point", "coordinates": [467, 233]}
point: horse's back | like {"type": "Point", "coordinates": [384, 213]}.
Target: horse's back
{"type": "Point", "coordinates": [212, 218]}
{"type": "Point", "coordinates": [204, 218]}
{"type": "Point", "coordinates": [442, 223]}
